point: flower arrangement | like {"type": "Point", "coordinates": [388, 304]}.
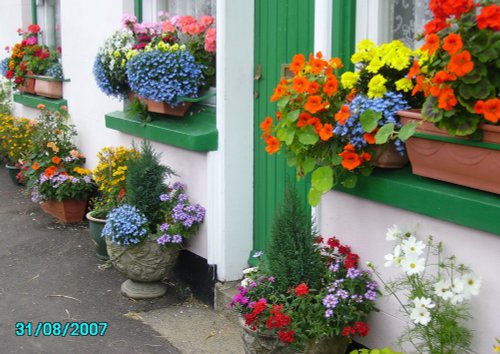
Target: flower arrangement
{"type": "Point", "coordinates": [54, 169]}
{"type": "Point", "coordinates": [110, 177]}
{"type": "Point", "coordinates": [126, 225]}
{"type": "Point", "coordinates": [458, 65]}
{"type": "Point", "coordinates": [29, 57]}
{"type": "Point", "coordinates": [16, 138]}
{"type": "Point", "coordinates": [437, 290]}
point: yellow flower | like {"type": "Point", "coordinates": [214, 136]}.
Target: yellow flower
{"type": "Point", "coordinates": [376, 86]}
{"type": "Point", "coordinates": [131, 53]}
{"type": "Point", "coordinates": [53, 146]}
{"type": "Point", "coordinates": [404, 85]}
{"type": "Point", "coordinates": [348, 79]}
{"type": "Point", "coordinates": [375, 64]}
{"type": "Point", "coordinates": [116, 54]}
{"type": "Point", "coordinates": [365, 45]}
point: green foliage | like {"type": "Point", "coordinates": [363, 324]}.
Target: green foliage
{"type": "Point", "coordinates": [375, 351]}
{"type": "Point", "coordinates": [137, 109]}
{"type": "Point", "coordinates": [5, 97]}
{"type": "Point", "coordinates": [145, 183]}
{"type": "Point", "coordinates": [291, 256]}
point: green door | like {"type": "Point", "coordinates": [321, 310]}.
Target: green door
{"type": "Point", "coordinates": [283, 28]}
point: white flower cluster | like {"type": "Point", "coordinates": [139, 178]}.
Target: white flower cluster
{"type": "Point", "coordinates": [115, 48]}
{"type": "Point", "coordinates": [408, 255]}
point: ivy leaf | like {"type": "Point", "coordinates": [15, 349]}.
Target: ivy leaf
{"type": "Point", "coordinates": [308, 136]}
{"type": "Point", "coordinates": [314, 196]}
{"type": "Point", "coordinates": [384, 133]}
{"type": "Point", "coordinates": [322, 179]}
{"type": "Point", "coordinates": [369, 120]}
{"type": "Point", "coordinates": [407, 131]}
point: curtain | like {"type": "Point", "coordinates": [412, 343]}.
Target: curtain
{"type": "Point", "coordinates": [407, 19]}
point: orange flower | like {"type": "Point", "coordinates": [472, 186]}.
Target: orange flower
{"type": "Point", "coordinates": [453, 43]}
{"type": "Point", "coordinates": [273, 144]}
{"type": "Point", "coordinates": [331, 86]}
{"type": "Point", "coordinates": [414, 70]}
{"type": "Point", "coordinates": [326, 132]}
{"type": "Point", "coordinates": [366, 156]}
{"type": "Point", "coordinates": [317, 65]}
{"type": "Point", "coordinates": [50, 171]}
{"type": "Point", "coordinates": [35, 166]}
{"type": "Point", "coordinates": [56, 160]}
{"type": "Point", "coordinates": [335, 63]}
{"type": "Point", "coordinates": [435, 26]}
{"type": "Point", "coordinates": [442, 76]}
{"type": "Point", "coordinates": [266, 126]}
{"type": "Point", "coordinates": [350, 160]}
{"type": "Point", "coordinates": [313, 88]}
{"type": "Point", "coordinates": [342, 115]}
{"type": "Point", "coordinates": [297, 63]}
{"type": "Point", "coordinates": [279, 91]}
{"type": "Point", "coordinates": [460, 64]}
{"type": "Point", "coordinates": [278, 115]}
{"type": "Point", "coordinates": [300, 84]}
{"type": "Point", "coordinates": [491, 110]}
{"type": "Point", "coordinates": [40, 106]}
{"type": "Point", "coordinates": [349, 147]}
{"type": "Point", "coordinates": [421, 85]}
{"type": "Point", "coordinates": [489, 17]}
{"type": "Point", "coordinates": [316, 123]}
{"type": "Point", "coordinates": [63, 108]}
{"type": "Point", "coordinates": [369, 138]}
{"type": "Point", "coordinates": [447, 99]}
{"type": "Point", "coordinates": [303, 119]}
{"type": "Point", "coordinates": [431, 43]}
{"type": "Point", "coordinates": [314, 104]}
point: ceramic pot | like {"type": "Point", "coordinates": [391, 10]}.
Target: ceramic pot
{"type": "Point", "coordinates": [48, 88]}
{"type": "Point", "coordinates": [145, 265]}
{"type": "Point", "coordinates": [13, 172]}
{"type": "Point", "coordinates": [435, 154]}
{"type": "Point", "coordinates": [69, 211]}
{"type": "Point", "coordinates": [95, 228]}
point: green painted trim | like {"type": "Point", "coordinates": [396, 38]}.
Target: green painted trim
{"type": "Point", "coordinates": [47, 78]}
{"type": "Point", "coordinates": [138, 10]}
{"type": "Point", "coordinates": [445, 201]}
{"type": "Point", "coordinates": [344, 31]}
{"type": "Point", "coordinates": [453, 140]}
{"type": "Point", "coordinates": [33, 101]}
{"type": "Point", "coordinates": [34, 16]}
{"type": "Point", "coordinates": [197, 132]}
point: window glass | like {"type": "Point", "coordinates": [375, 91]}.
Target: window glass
{"type": "Point", "coordinates": [407, 19]}
{"type": "Point", "coordinates": [49, 19]}
{"type": "Point", "coordinates": [195, 8]}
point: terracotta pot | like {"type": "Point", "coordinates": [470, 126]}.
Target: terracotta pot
{"type": "Point", "coordinates": [163, 107]}
{"type": "Point", "coordinates": [28, 86]}
{"type": "Point", "coordinates": [387, 156]}
{"type": "Point", "coordinates": [48, 88]}
{"type": "Point", "coordinates": [69, 211]}
{"type": "Point", "coordinates": [455, 159]}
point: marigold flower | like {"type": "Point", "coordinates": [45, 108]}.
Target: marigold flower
{"type": "Point", "coordinates": [342, 115]}
{"type": "Point", "coordinates": [314, 104]}
{"type": "Point", "coordinates": [326, 132]}
{"type": "Point", "coordinates": [452, 43]}
{"type": "Point", "coordinates": [56, 160]}
{"type": "Point", "coordinates": [376, 86]}
{"type": "Point", "coordinates": [50, 171]}
{"type": "Point", "coordinates": [461, 64]}
{"type": "Point", "coordinates": [273, 144]}
{"type": "Point", "coordinates": [349, 79]}
{"type": "Point", "coordinates": [35, 166]}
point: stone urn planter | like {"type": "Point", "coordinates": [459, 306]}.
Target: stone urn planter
{"type": "Point", "coordinates": [69, 211]}
{"type": "Point", "coordinates": [435, 154]}
{"type": "Point", "coordinates": [95, 229]}
{"type": "Point", "coordinates": [145, 265]}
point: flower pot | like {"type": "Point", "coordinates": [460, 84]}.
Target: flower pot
{"type": "Point", "coordinates": [13, 172]}
{"type": "Point", "coordinates": [145, 265]}
{"type": "Point", "coordinates": [28, 86]}
{"type": "Point", "coordinates": [48, 88]}
{"type": "Point", "coordinates": [331, 345]}
{"type": "Point", "coordinates": [435, 154]}
{"type": "Point", "coordinates": [69, 211]}
{"type": "Point", "coordinates": [163, 107]}
{"type": "Point", "coordinates": [386, 156]}
{"type": "Point", "coordinates": [95, 228]}
{"type": "Point", "coordinates": [261, 343]}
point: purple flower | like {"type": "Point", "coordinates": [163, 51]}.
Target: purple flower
{"type": "Point", "coordinates": [272, 279]}
{"type": "Point", "coordinates": [177, 239]}
{"type": "Point", "coordinates": [164, 197]}
{"type": "Point", "coordinates": [164, 227]}
{"type": "Point", "coordinates": [178, 185]}
{"type": "Point", "coordinates": [357, 298]}
{"type": "Point", "coordinates": [163, 239]}
{"type": "Point", "coordinates": [354, 273]}
{"type": "Point", "coordinates": [330, 301]}
{"type": "Point", "coordinates": [328, 313]}
{"type": "Point", "coordinates": [343, 294]}
{"type": "Point", "coordinates": [370, 295]}
{"type": "Point", "coordinates": [334, 267]}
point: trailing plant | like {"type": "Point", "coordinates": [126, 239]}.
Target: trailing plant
{"type": "Point", "coordinates": [433, 293]}
{"type": "Point", "coordinates": [145, 184]}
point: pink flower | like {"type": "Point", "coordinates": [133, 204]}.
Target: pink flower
{"type": "Point", "coordinates": [7, 48]}
{"type": "Point", "coordinates": [207, 21]}
{"type": "Point", "coordinates": [167, 27]}
{"type": "Point", "coordinates": [210, 40]}
{"type": "Point", "coordinates": [129, 21]}
{"type": "Point", "coordinates": [193, 29]}
{"type": "Point", "coordinates": [184, 21]}
{"type": "Point", "coordinates": [31, 41]}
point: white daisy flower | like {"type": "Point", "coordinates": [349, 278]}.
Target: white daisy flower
{"type": "Point", "coordinates": [471, 284]}
{"type": "Point", "coordinates": [393, 258]}
{"type": "Point", "coordinates": [411, 245]}
{"type": "Point", "coordinates": [392, 233]}
{"type": "Point", "coordinates": [424, 302]}
{"type": "Point", "coordinates": [443, 289]}
{"type": "Point", "coordinates": [411, 264]}
{"type": "Point", "coordinates": [420, 315]}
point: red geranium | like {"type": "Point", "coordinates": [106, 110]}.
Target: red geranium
{"type": "Point", "coordinates": [361, 328]}
{"type": "Point", "coordinates": [302, 289]}
{"type": "Point", "coordinates": [351, 261]}
{"type": "Point", "coordinates": [34, 28]}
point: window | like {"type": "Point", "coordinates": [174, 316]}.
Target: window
{"type": "Point", "coordinates": [48, 13]}
{"type": "Point", "coordinates": [195, 8]}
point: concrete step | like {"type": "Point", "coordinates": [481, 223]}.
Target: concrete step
{"type": "Point", "coordinates": [224, 293]}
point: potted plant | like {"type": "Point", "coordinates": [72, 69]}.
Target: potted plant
{"type": "Point", "coordinates": [433, 290]}
{"type": "Point", "coordinates": [145, 234]}
{"type": "Point", "coordinates": [15, 142]}
{"type": "Point", "coordinates": [457, 71]}
{"type": "Point", "coordinates": [50, 84]}
{"type": "Point", "coordinates": [54, 169]}
{"type": "Point", "coordinates": [307, 295]}
{"type": "Point", "coordinates": [110, 177]}
{"type": "Point", "coordinates": [316, 130]}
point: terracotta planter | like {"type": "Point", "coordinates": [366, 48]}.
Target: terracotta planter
{"type": "Point", "coordinates": [386, 156]}
{"type": "Point", "coordinates": [435, 154]}
{"type": "Point", "coordinates": [163, 107]}
{"type": "Point", "coordinates": [48, 88]}
{"type": "Point", "coordinates": [69, 211]}
{"type": "Point", "coordinates": [28, 86]}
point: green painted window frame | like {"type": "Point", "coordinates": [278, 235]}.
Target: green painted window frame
{"type": "Point", "coordinates": [138, 10]}
{"type": "Point", "coordinates": [400, 188]}
{"type": "Point", "coordinates": [33, 101]}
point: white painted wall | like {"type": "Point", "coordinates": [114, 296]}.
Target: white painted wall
{"type": "Point", "coordinates": [11, 20]}
{"type": "Point", "coordinates": [362, 224]}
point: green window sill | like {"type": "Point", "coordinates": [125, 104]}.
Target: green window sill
{"type": "Point", "coordinates": [196, 131]}
{"type": "Point", "coordinates": [33, 101]}
{"type": "Point", "coordinates": [445, 201]}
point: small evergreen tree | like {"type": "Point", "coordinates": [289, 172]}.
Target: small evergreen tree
{"type": "Point", "coordinates": [292, 258]}
{"type": "Point", "coordinates": [145, 183]}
